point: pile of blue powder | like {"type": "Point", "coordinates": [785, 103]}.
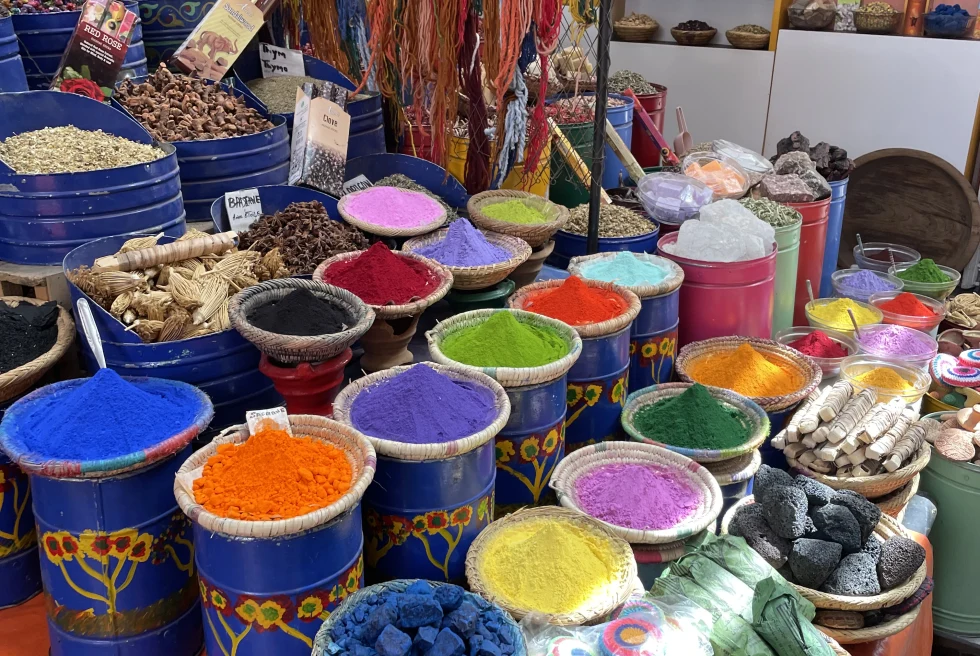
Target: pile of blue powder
{"type": "Point", "coordinates": [861, 284]}
{"type": "Point", "coordinates": [425, 621]}
{"type": "Point", "coordinates": [464, 246]}
{"type": "Point", "coordinates": [625, 269]}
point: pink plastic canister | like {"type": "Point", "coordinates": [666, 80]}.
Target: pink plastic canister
{"type": "Point", "coordinates": [813, 241]}
{"type": "Point", "coordinates": [720, 299]}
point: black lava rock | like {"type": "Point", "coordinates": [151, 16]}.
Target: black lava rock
{"type": "Point", "coordinates": [899, 559]}
{"type": "Point", "coordinates": [787, 573]}
{"type": "Point", "coordinates": [836, 524]}
{"type": "Point", "coordinates": [768, 478]}
{"type": "Point", "coordinates": [872, 547]}
{"type": "Point", "coordinates": [693, 26]}
{"type": "Point", "coordinates": [750, 524]}
{"type": "Point", "coordinates": [817, 494]}
{"type": "Point", "coordinates": [866, 513]}
{"type": "Point", "coordinates": [812, 561]}
{"type": "Point", "coordinates": [855, 576]}
{"type": "Point", "coordinates": [795, 141]}
{"type": "Point", "coordinates": [785, 509]}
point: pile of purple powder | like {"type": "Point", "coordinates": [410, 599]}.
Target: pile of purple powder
{"type": "Point", "coordinates": [642, 497]}
{"type": "Point", "coordinates": [464, 246]}
{"type": "Point", "coordinates": [862, 284]}
{"type": "Point", "coordinates": [895, 340]}
{"type": "Point", "coordinates": [422, 406]}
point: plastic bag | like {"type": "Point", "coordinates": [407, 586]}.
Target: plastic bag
{"type": "Point", "coordinates": [716, 581]}
{"type": "Point", "coordinates": [645, 631]}
{"type": "Point", "coordinates": [724, 175]}
{"type": "Point", "coordinates": [709, 242]}
{"type": "Point", "coordinates": [730, 213]}
{"type": "Point", "coordinates": [672, 197]}
{"type": "Point", "coordinates": [754, 164]}
{"type": "Point", "coordinates": [780, 621]}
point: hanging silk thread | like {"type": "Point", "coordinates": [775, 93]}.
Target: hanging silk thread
{"type": "Point", "coordinates": [477, 172]}
{"type": "Point", "coordinates": [547, 21]}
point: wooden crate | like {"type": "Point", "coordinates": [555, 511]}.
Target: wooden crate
{"type": "Point", "coordinates": [47, 283]}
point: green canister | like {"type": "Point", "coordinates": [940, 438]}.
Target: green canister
{"type": "Point", "coordinates": [787, 262]}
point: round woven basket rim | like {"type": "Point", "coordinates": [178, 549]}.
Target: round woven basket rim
{"type": "Point", "coordinates": [509, 376]}
{"type": "Point", "coordinates": [736, 470]}
{"type": "Point", "coordinates": [872, 633]}
{"type": "Point", "coordinates": [293, 349]}
{"type": "Point", "coordinates": [404, 309]}
{"type": "Point", "coordinates": [385, 231]}
{"type": "Point", "coordinates": [588, 330]}
{"type": "Point", "coordinates": [810, 370]}
{"type": "Point", "coordinates": [588, 458]}
{"type": "Point", "coordinates": [878, 485]}
{"type": "Point", "coordinates": [534, 234]}
{"type": "Point", "coordinates": [669, 284]}
{"type": "Point", "coordinates": [20, 379]}
{"type": "Point", "coordinates": [757, 418]}
{"type": "Point", "coordinates": [360, 454]}
{"type": "Point", "coordinates": [344, 402]}
{"type": "Point", "coordinates": [667, 553]}
{"type": "Point", "coordinates": [747, 38]}
{"type": "Point", "coordinates": [619, 550]}
{"type": "Point", "coordinates": [897, 503]}
{"type": "Point", "coordinates": [478, 277]}
{"type": "Point", "coordinates": [887, 527]}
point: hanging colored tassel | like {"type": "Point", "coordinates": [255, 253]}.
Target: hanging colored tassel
{"type": "Point", "coordinates": [547, 20]}
{"type": "Point", "coordinates": [477, 172]}
{"type": "Point", "coordinates": [514, 129]}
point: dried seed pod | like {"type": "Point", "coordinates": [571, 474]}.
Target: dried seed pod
{"type": "Point", "coordinates": [164, 277]}
{"type": "Point", "coordinates": [221, 319]}
{"type": "Point", "coordinates": [121, 304]}
{"type": "Point", "coordinates": [129, 316]}
{"type": "Point", "coordinates": [137, 243]}
{"type": "Point", "coordinates": [114, 283]}
{"type": "Point", "coordinates": [147, 329]}
{"type": "Point", "coordinates": [174, 324]}
{"type": "Point", "coordinates": [186, 293]}
{"type": "Point", "coordinates": [214, 291]}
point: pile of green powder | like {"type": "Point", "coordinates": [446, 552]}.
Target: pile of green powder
{"type": "Point", "coordinates": [625, 269]}
{"type": "Point", "coordinates": [692, 420]}
{"type": "Point", "coordinates": [775, 214]}
{"type": "Point", "coordinates": [923, 271]}
{"type": "Point", "coordinates": [502, 341]}
{"type": "Point", "coordinates": [514, 211]}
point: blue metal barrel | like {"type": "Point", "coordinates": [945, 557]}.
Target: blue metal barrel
{"type": "Point", "coordinates": [777, 421]}
{"type": "Point", "coordinates": [654, 340]}
{"type": "Point", "coordinates": [12, 77]}
{"type": "Point", "coordinates": [597, 390]}
{"type": "Point", "coordinates": [167, 23]}
{"type": "Point", "coordinates": [735, 477]}
{"type": "Point", "coordinates": [568, 245]}
{"type": "Point", "coordinates": [43, 39]}
{"type": "Point", "coordinates": [276, 198]}
{"type": "Point", "coordinates": [431, 176]}
{"type": "Point", "coordinates": [43, 217]}
{"type": "Point", "coordinates": [224, 365]}
{"type": "Point", "coordinates": [20, 573]}
{"type": "Point", "coordinates": [838, 195]}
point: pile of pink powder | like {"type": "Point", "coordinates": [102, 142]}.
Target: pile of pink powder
{"type": "Point", "coordinates": [391, 207]}
{"type": "Point", "coordinates": [637, 496]}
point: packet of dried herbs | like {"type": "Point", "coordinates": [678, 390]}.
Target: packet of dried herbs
{"type": "Point", "coordinates": [320, 132]}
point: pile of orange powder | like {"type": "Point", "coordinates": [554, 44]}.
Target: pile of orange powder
{"type": "Point", "coordinates": [272, 476]}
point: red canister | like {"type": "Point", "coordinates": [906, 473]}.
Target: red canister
{"type": "Point", "coordinates": [813, 242]}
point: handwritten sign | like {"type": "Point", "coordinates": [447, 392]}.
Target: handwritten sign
{"type": "Point", "coordinates": [274, 418]}
{"type": "Point", "coordinates": [244, 207]}
{"type": "Point", "coordinates": [355, 184]}
{"type": "Point", "coordinates": [280, 61]}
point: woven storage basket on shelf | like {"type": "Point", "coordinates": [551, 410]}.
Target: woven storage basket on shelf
{"type": "Point", "coordinates": [737, 469]}
{"type": "Point", "coordinates": [894, 503]}
{"type": "Point", "coordinates": [521, 297]}
{"type": "Point", "coordinates": [693, 37]}
{"type": "Point", "coordinates": [635, 33]}
{"type": "Point", "coordinates": [599, 605]}
{"type": "Point", "coordinates": [754, 417]}
{"type": "Point", "coordinates": [322, 643]}
{"type": "Point", "coordinates": [876, 486]}
{"type": "Point", "coordinates": [887, 527]}
{"type": "Point", "coordinates": [747, 40]}
{"type": "Point", "coordinates": [586, 459]}
{"type": "Point", "coordinates": [869, 23]}
{"type": "Point", "coordinates": [387, 231]}
{"type": "Point", "coordinates": [293, 349]}
{"type": "Point", "coordinates": [807, 368]}
{"type": "Point", "coordinates": [440, 272]}
{"type": "Point", "coordinates": [478, 277]}
{"type": "Point", "coordinates": [534, 234]}
{"type": "Point", "coordinates": [673, 279]}
{"type": "Point", "coordinates": [509, 376]}
{"type": "Point", "coordinates": [406, 451]}
{"type": "Point", "coordinates": [358, 450]}
{"type": "Point", "coordinates": [22, 378]}
{"type": "Point", "coordinates": [872, 633]}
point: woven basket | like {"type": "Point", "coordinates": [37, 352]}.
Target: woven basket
{"type": "Point", "coordinates": [736, 470]}
{"type": "Point", "coordinates": [293, 349]}
{"type": "Point", "coordinates": [360, 454]}
{"type": "Point", "coordinates": [602, 603]}
{"type": "Point", "coordinates": [417, 452]}
{"type": "Point", "coordinates": [747, 40]}
{"type": "Point", "coordinates": [588, 458]}
{"type": "Point", "coordinates": [22, 378]}
{"type": "Point", "coordinates": [868, 23]}
{"type": "Point", "coordinates": [895, 503]}
{"type": "Point", "coordinates": [872, 633]}
{"type": "Point", "coordinates": [646, 554]}
{"type": "Point", "coordinates": [323, 645]}
{"type": "Point", "coordinates": [413, 308]}
{"type": "Point", "coordinates": [887, 527]}
{"type": "Point", "coordinates": [809, 369]}
{"type": "Point", "coordinates": [509, 376]}
{"type": "Point", "coordinates": [534, 234]}
{"type": "Point", "coordinates": [611, 326]}
{"type": "Point", "coordinates": [674, 278]}
{"type": "Point", "coordinates": [635, 33]}
{"type": "Point", "coordinates": [693, 37]}
{"type": "Point", "coordinates": [838, 650]}
{"type": "Point", "coordinates": [754, 416]}
{"type": "Point", "coordinates": [478, 277]}
{"type": "Point", "coordinates": [386, 231]}
{"type": "Point", "coordinates": [874, 487]}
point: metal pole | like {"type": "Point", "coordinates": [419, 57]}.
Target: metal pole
{"type": "Point", "coordinates": [599, 136]}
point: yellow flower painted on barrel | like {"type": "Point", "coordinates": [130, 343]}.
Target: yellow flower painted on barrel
{"type": "Point", "coordinates": [618, 391]}
{"type": "Point", "coordinates": [461, 516]}
{"type": "Point", "coordinates": [218, 600]}
{"type": "Point", "coordinates": [550, 442]}
{"type": "Point", "coordinates": [505, 450]}
{"type": "Point", "coordinates": [530, 449]}
{"type": "Point", "coordinates": [418, 525]}
{"type": "Point", "coordinates": [353, 582]}
{"type": "Point", "coordinates": [248, 611]}
{"type": "Point", "coordinates": [592, 394]}
{"type": "Point", "coordinates": [632, 349]}
{"type": "Point", "coordinates": [140, 550]}
{"type": "Point", "coordinates": [483, 508]}
{"type": "Point", "coordinates": [309, 608]}
{"type": "Point", "coordinates": [667, 346]}
{"type": "Point", "coordinates": [269, 614]}
{"type": "Point", "coordinates": [337, 593]}
{"type": "Point", "coordinates": [436, 520]}
{"type": "Point", "coordinates": [648, 350]}
{"type": "Point", "coordinates": [94, 545]}
{"type": "Point", "coordinates": [53, 549]}
{"type": "Point", "coordinates": [573, 394]}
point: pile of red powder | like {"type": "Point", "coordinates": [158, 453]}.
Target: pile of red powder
{"type": "Point", "coordinates": [818, 345]}
{"type": "Point", "coordinates": [576, 303]}
{"type": "Point", "coordinates": [907, 305]}
{"type": "Point", "coordinates": [379, 277]}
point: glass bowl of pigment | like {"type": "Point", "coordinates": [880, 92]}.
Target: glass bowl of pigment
{"type": "Point", "coordinates": [829, 366]}
{"type": "Point", "coordinates": [936, 290]}
{"type": "Point", "coordinates": [863, 290]}
{"type": "Point", "coordinates": [929, 325]}
{"type": "Point", "coordinates": [889, 377]}
{"type": "Point", "coordinates": [845, 326]}
{"type": "Point", "coordinates": [908, 345]}
{"type": "Point", "coordinates": [877, 255]}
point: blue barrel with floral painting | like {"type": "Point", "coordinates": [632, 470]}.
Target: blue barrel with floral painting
{"type": "Point", "coordinates": [166, 23]}
{"type": "Point", "coordinates": [20, 574]}
{"type": "Point", "coordinates": [532, 442]}
{"type": "Point", "coordinates": [266, 586]}
{"type": "Point", "coordinates": [12, 77]}
{"type": "Point", "coordinates": [653, 334]}
{"type": "Point", "coordinates": [430, 498]}
{"type": "Point", "coordinates": [117, 557]}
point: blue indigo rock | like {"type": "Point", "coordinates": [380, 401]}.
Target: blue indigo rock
{"type": "Point", "coordinates": [393, 642]}
{"type": "Point", "coordinates": [463, 620]}
{"type": "Point", "coordinates": [415, 610]}
{"type": "Point", "coordinates": [425, 638]}
{"type": "Point", "coordinates": [376, 622]}
{"type": "Point", "coordinates": [420, 587]}
{"type": "Point", "coordinates": [449, 596]}
{"type": "Point", "coordinates": [447, 644]}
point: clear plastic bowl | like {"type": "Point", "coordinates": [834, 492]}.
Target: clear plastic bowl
{"type": "Point", "coordinates": [930, 346]}
{"type": "Point", "coordinates": [837, 279]}
{"type": "Point", "coordinates": [829, 366]}
{"type": "Point", "coordinates": [929, 325]}
{"type": "Point", "coordinates": [856, 365]}
{"type": "Point", "coordinates": [936, 290]}
{"type": "Point", "coordinates": [849, 328]}
{"type": "Point", "coordinates": [902, 255]}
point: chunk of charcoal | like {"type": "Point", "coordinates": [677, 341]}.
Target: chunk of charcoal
{"type": "Point", "coordinates": [855, 576]}
{"type": "Point", "coordinates": [812, 561]}
{"type": "Point", "coordinates": [768, 478]}
{"type": "Point", "coordinates": [900, 558]}
{"type": "Point", "coordinates": [785, 510]}
{"type": "Point", "coordinates": [836, 524]}
{"type": "Point", "coordinates": [866, 513]}
{"type": "Point", "coordinates": [817, 494]}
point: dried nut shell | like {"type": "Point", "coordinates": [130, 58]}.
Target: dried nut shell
{"type": "Point", "coordinates": [957, 445]}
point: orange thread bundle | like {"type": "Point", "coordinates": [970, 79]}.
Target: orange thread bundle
{"type": "Point", "coordinates": [272, 476]}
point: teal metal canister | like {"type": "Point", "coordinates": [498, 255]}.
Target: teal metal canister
{"type": "Point", "coordinates": [787, 263]}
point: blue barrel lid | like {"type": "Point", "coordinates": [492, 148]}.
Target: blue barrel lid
{"type": "Point", "coordinates": [276, 198]}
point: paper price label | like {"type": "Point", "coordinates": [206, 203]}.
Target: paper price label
{"type": "Point", "coordinates": [356, 184]}
{"type": "Point", "coordinates": [274, 418]}
{"type": "Point", "coordinates": [244, 208]}
{"type": "Point", "coordinates": [278, 61]}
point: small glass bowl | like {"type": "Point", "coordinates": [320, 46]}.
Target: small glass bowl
{"type": "Point", "coordinates": [856, 365]}
{"type": "Point", "coordinates": [849, 328]}
{"type": "Point", "coordinates": [903, 255]}
{"type": "Point", "coordinates": [930, 346]}
{"type": "Point", "coordinates": [928, 325]}
{"type": "Point", "coordinates": [841, 290]}
{"type": "Point", "coordinates": [936, 290]}
{"type": "Point", "coordinates": [829, 366]}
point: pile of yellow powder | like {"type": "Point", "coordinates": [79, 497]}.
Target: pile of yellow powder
{"type": "Point", "coordinates": [884, 378]}
{"type": "Point", "coordinates": [834, 314]}
{"type": "Point", "coordinates": [747, 372]}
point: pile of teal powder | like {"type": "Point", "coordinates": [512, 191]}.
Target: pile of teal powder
{"type": "Point", "coordinates": [625, 269]}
